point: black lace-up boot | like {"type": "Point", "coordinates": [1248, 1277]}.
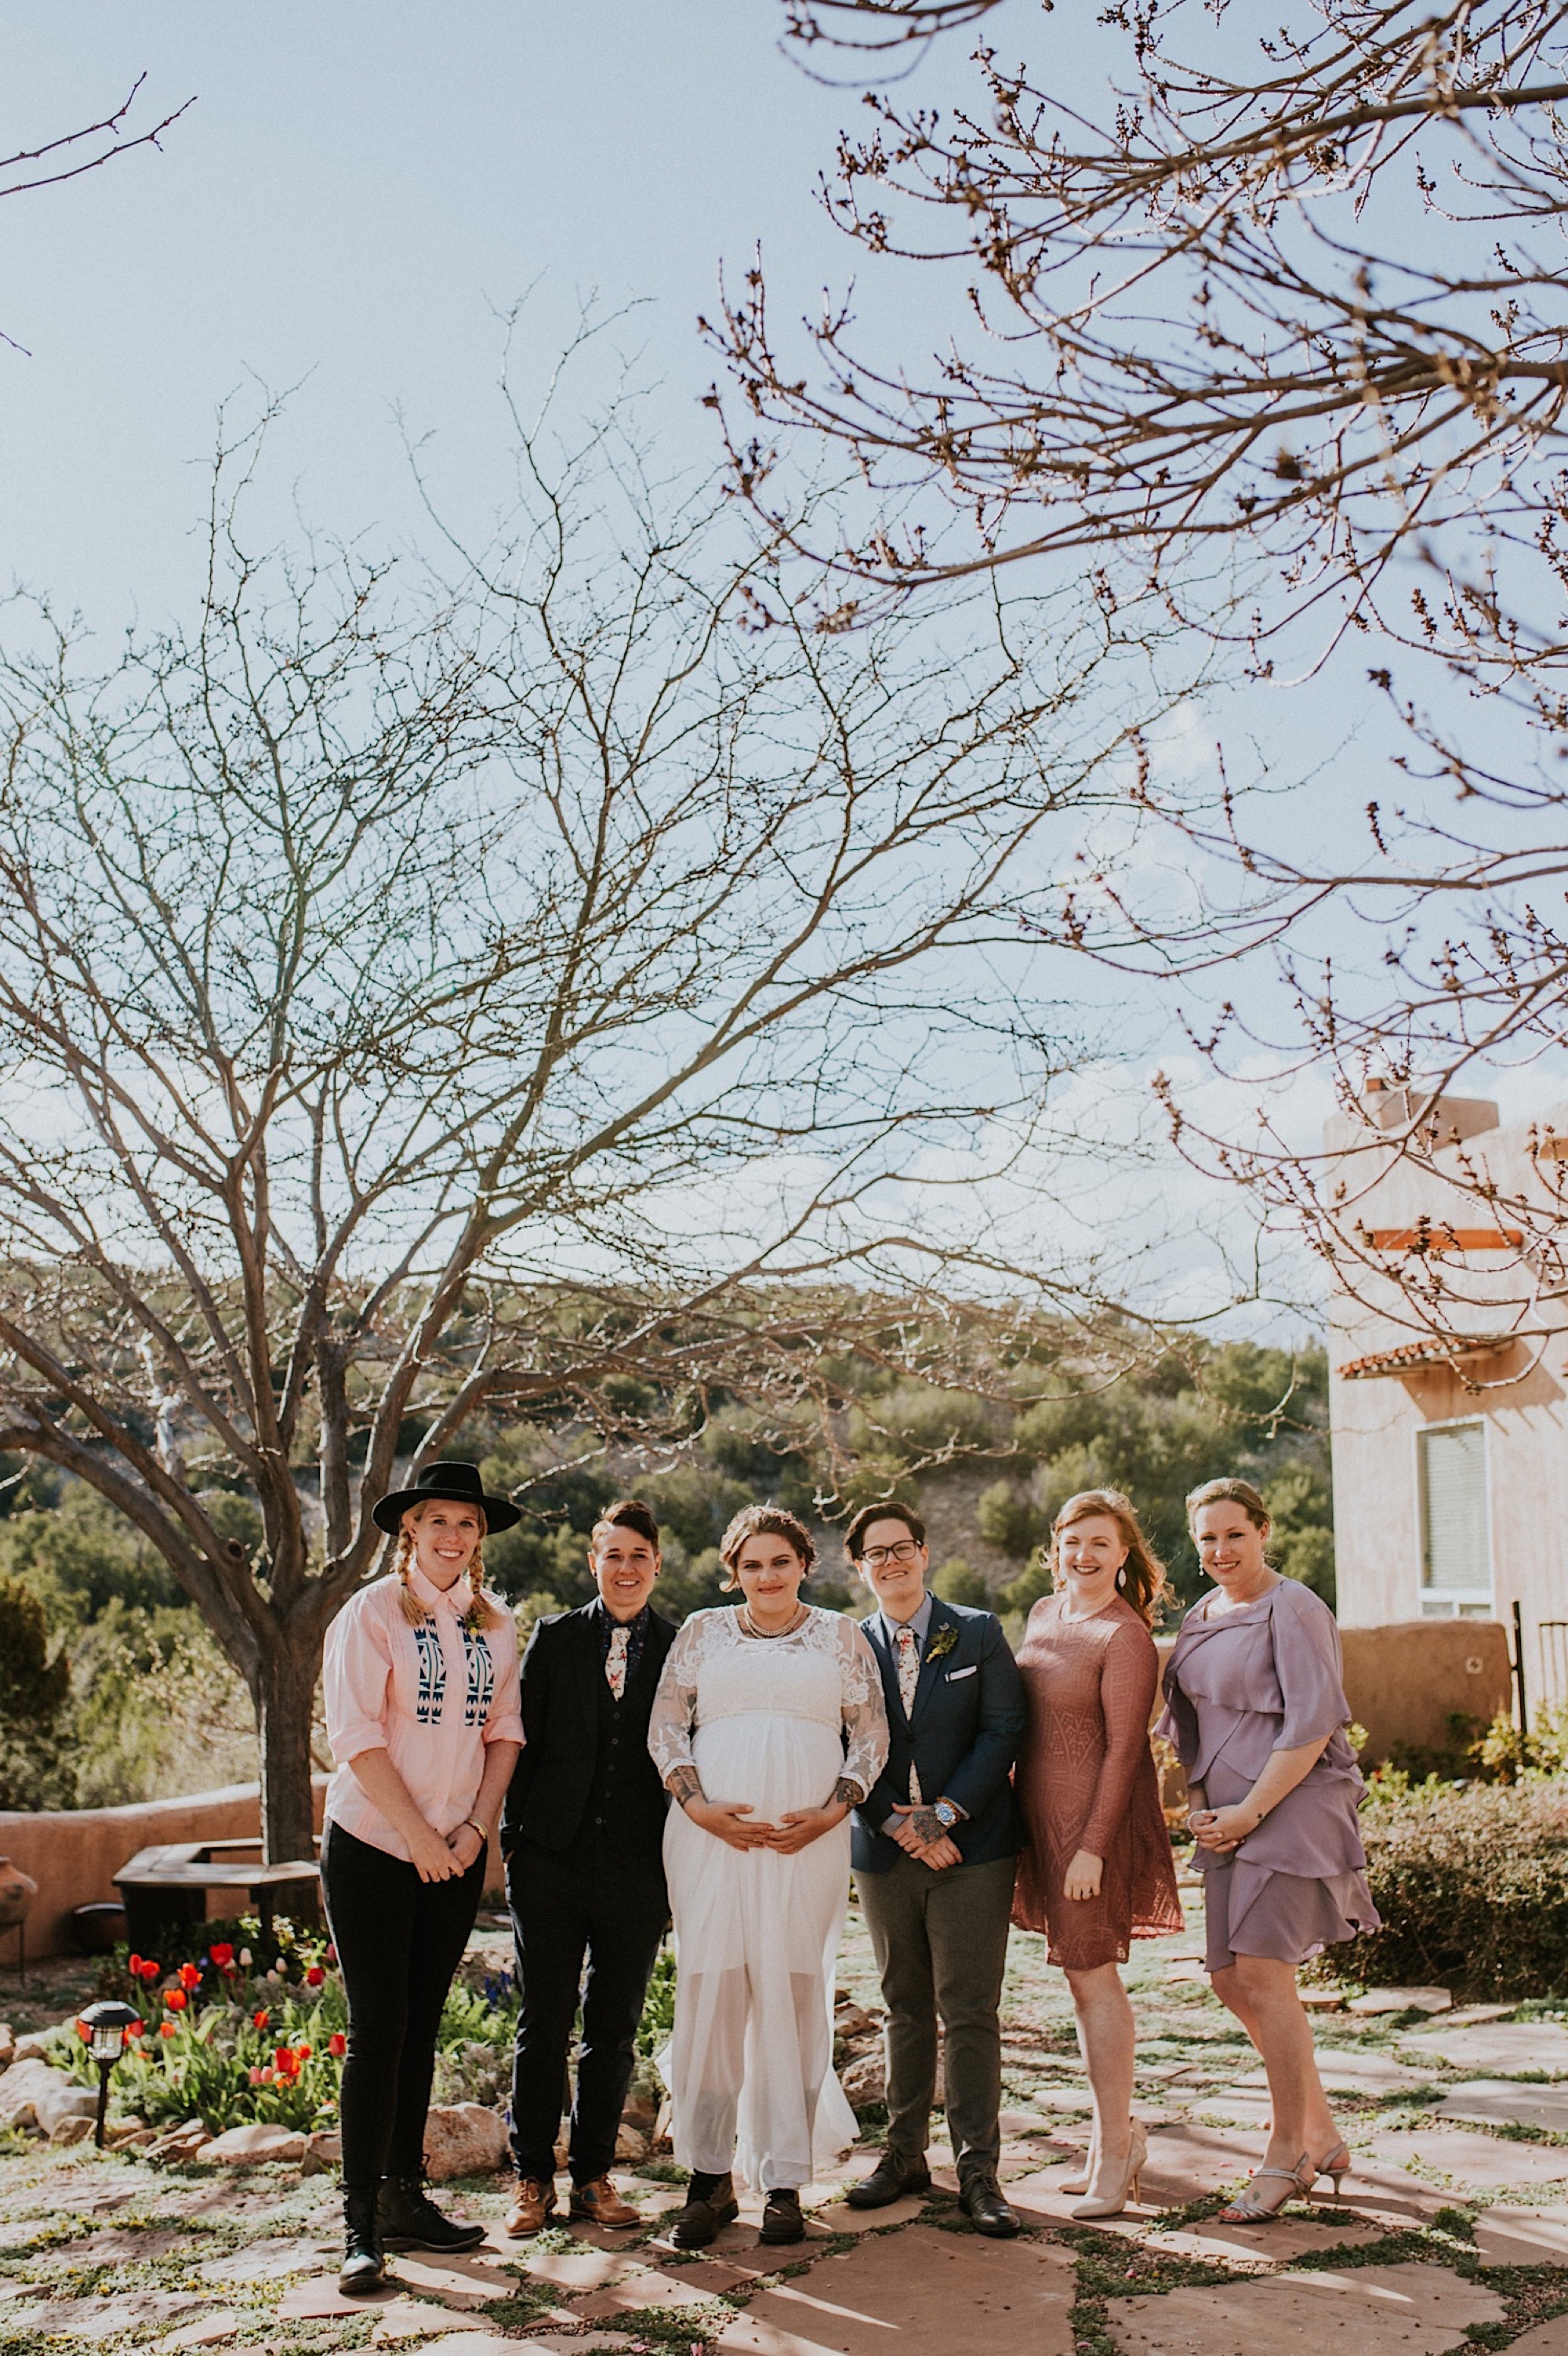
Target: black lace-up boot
{"type": "Point", "coordinates": [362, 2271]}
{"type": "Point", "coordinates": [409, 2219]}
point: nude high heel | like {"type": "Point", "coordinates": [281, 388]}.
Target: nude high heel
{"type": "Point", "coordinates": [1113, 2206]}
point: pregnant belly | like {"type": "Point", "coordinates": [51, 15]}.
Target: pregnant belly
{"type": "Point", "coordinates": [773, 1765]}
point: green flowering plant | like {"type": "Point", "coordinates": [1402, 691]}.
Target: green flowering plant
{"type": "Point", "coordinates": [253, 2029]}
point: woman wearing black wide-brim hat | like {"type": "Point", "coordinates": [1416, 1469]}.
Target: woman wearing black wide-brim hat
{"type": "Point", "coordinates": [424, 1718]}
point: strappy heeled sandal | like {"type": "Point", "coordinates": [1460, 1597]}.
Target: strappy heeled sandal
{"type": "Point", "coordinates": [1336, 2164]}
{"type": "Point", "coordinates": [1250, 2210]}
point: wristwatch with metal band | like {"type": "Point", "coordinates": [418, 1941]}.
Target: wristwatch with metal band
{"type": "Point", "coordinates": [946, 1814]}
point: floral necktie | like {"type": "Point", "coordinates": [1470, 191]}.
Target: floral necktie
{"type": "Point", "coordinates": [615, 1660]}
{"type": "Point", "coordinates": [909, 1678]}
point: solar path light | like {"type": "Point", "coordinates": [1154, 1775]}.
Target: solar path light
{"type": "Point", "coordinates": [104, 2027]}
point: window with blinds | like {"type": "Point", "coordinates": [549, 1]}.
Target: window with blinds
{"type": "Point", "coordinates": [1456, 1545]}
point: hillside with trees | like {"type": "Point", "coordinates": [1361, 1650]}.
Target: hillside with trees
{"type": "Point", "coordinates": [133, 1698]}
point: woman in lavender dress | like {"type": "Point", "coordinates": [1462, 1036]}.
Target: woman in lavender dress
{"type": "Point", "coordinates": [1257, 1712]}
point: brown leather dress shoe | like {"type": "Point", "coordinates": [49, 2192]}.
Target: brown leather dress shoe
{"type": "Point", "coordinates": [601, 2204]}
{"type": "Point", "coordinates": [533, 2208]}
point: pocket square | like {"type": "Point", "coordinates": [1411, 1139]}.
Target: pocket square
{"type": "Point", "coordinates": [972, 1671]}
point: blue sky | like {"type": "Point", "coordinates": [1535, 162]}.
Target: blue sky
{"type": "Point", "coordinates": [358, 194]}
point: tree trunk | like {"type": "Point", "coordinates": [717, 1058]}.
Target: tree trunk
{"type": "Point", "coordinates": [286, 1693]}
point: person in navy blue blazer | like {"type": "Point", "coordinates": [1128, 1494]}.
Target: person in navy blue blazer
{"type": "Point", "coordinates": [934, 1852]}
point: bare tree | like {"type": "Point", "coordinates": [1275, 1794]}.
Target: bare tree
{"type": "Point", "coordinates": [422, 998]}
{"type": "Point", "coordinates": [86, 149]}
{"type": "Point", "coordinates": [72, 152]}
{"type": "Point", "coordinates": [1280, 328]}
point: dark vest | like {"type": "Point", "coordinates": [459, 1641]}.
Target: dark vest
{"type": "Point", "coordinates": [585, 1775]}
{"type": "Point", "coordinates": [626, 1803]}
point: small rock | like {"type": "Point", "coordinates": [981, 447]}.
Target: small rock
{"type": "Point", "coordinates": [250, 2146]}
{"type": "Point", "coordinates": [180, 2143]}
{"type": "Point", "coordinates": [1322, 2000]}
{"type": "Point", "coordinates": [631, 2145]}
{"type": "Point", "coordinates": [7, 2045]}
{"type": "Point", "coordinates": [851, 2020]}
{"type": "Point", "coordinates": [865, 2083]}
{"type": "Point", "coordinates": [463, 2139]}
{"type": "Point", "coordinates": [1402, 1999]}
{"type": "Point", "coordinates": [36, 2046]}
{"type": "Point", "coordinates": [33, 2096]}
{"type": "Point", "coordinates": [323, 2151]}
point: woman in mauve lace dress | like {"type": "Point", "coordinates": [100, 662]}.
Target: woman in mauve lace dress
{"type": "Point", "coordinates": [1097, 1870]}
{"type": "Point", "coordinates": [769, 1727]}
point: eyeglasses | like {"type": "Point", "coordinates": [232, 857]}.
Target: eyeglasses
{"type": "Point", "coordinates": [905, 1551]}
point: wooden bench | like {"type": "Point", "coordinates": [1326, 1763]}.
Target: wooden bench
{"type": "Point", "coordinates": [168, 1885]}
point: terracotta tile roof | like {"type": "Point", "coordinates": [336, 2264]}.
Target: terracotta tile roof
{"type": "Point", "coordinates": [1433, 1352]}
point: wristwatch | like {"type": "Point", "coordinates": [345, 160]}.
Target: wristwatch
{"type": "Point", "coordinates": [946, 1814]}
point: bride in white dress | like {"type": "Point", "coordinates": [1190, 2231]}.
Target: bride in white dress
{"type": "Point", "coordinates": [769, 1728]}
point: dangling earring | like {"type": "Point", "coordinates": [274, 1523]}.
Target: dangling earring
{"type": "Point", "coordinates": [1121, 1576]}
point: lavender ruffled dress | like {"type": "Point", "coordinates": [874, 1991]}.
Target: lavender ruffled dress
{"type": "Point", "coordinates": [1263, 1679]}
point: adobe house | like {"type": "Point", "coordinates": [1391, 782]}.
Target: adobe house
{"type": "Point", "coordinates": [1449, 1391]}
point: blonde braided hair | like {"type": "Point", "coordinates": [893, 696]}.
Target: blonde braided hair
{"type": "Point", "coordinates": [482, 1612]}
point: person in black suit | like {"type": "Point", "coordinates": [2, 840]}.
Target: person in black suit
{"type": "Point", "coordinates": [935, 1853]}
{"type": "Point", "coordinates": [583, 1835]}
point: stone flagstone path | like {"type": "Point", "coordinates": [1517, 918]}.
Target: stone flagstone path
{"type": "Point", "coordinates": [1453, 2235]}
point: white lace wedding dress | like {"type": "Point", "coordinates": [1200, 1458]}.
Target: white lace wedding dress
{"type": "Point", "coordinates": [774, 1721]}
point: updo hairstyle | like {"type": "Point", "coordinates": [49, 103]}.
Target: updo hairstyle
{"type": "Point", "coordinates": [762, 1521]}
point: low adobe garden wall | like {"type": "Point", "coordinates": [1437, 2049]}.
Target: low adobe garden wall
{"type": "Point", "coordinates": [73, 1853]}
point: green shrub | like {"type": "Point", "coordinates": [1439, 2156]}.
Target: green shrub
{"type": "Point", "coordinates": [956, 1582]}
{"type": "Point", "coordinates": [36, 1767]}
{"type": "Point", "coordinates": [1472, 1888]}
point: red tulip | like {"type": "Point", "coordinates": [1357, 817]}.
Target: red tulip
{"type": "Point", "coordinates": [260, 2019]}
{"type": "Point", "coordinates": [133, 1966]}
{"type": "Point", "coordinates": [337, 2045]}
{"type": "Point", "coordinates": [222, 1955]}
{"type": "Point", "coordinates": [166, 2028]}
{"type": "Point", "coordinates": [83, 2032]}
{"type": "Point", "coordinates": [175, 2000]}
{"type": "Point", "coordinates": [302, 2052]}
{"type": "Point", "coordinates": [315, 1977]}
{"type": "Point", "coordinates": [189, 1977]}
{"type": "Point", "coordinates": [148, 1969]}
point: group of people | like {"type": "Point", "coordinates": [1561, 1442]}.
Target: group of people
{"type": "Point", "coordinates": [728, 1775]}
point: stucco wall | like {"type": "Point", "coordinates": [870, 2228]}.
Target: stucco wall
{"type": "Point", "coordinates": [74, 1854]}
{"type": "Point", "coordinates": [1523, 1401]}
{"type": "Point", "coordinates": [1403, 1682]}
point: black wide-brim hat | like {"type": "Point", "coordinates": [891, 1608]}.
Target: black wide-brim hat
{"type": "Point", "coordinates": [459, 1483]}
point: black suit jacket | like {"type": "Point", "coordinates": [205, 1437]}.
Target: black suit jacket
{"type": "Point", "coordinates": [563, 1726]}
{"type": "Point", "coordinates": [962, 1735]}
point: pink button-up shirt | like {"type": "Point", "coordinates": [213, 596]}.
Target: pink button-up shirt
{"type": "Point", "coordinates": [430, 1696]}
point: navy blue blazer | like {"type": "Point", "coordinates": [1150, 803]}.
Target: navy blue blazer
{"type": "Point", "coordinates": [963, 1734]}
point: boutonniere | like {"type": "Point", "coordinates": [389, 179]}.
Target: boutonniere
{"type": "Point", "coordinates": [943, 1642]}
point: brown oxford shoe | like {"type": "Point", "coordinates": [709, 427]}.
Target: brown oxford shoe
{"type": "Point", "coordinates": [533, 2208]}
{"type": "Point", "coordinates": [600, 2204]}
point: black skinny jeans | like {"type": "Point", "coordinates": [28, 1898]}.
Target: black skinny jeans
{"type": "Point", "coordinates": [399, 1941]}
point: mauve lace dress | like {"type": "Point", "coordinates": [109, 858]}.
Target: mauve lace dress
{"type": "Point", "coordinates": [1086, 1780]}
{"type": "Point", "coordinates": [1263, 1679]}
